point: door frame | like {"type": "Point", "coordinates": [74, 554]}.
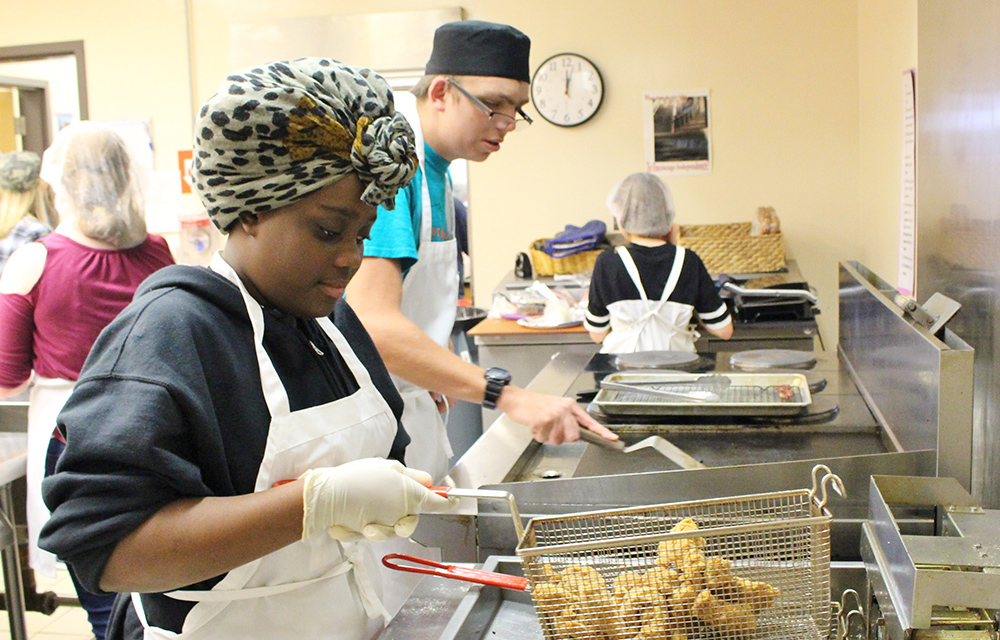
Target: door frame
{"type": "Point", "coordinates": [36, 140]}
{"type": "Point", "coordinates": [51, 50]}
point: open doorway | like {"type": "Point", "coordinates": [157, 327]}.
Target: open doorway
{"type": "Point", "coordinates": [43, 87]}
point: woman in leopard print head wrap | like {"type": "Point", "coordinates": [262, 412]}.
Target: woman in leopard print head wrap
{"type": "Point", "coordinates": [274, 134]}
{"type": "Point", "coordinates": [233, 441]}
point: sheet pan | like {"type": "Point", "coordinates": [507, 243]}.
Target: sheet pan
{"type": "Point", "coordinates": [748, 394]}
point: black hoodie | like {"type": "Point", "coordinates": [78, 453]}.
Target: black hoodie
{"type": "Point", "coordinates": [169, 405]}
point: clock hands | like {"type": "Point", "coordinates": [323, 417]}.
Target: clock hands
{"type": "Point", "coordinates": [581, 96]}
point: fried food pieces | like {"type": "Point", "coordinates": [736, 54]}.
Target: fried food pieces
{"type": "Point", "coordinates": [686, 594]}
{"type": "Point", "coordinates": [707, 590]}
{"type": "Point", "coordinates": [577, 602]}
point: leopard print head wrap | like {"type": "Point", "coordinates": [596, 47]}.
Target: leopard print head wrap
{"type": "Point", "coordinates": [274, 134]}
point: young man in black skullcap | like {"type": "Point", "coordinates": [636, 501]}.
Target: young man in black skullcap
{"type": "Point", "coordinates": [470, 98]}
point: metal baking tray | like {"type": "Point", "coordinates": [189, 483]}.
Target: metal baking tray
{"type": "Point", "coordinates": [495, 613]}
{"type": "Point", "coordinates": [748, 394]}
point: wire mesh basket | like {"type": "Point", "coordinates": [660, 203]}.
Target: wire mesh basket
{"type": "Point", "coordinates": [754, 566]}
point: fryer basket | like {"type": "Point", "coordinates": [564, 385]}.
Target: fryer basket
{"type": "Point", "coordinates": [757, 566]}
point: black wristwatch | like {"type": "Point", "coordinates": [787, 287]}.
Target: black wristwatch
{"type": "Point", "coordinates": [496, 380]}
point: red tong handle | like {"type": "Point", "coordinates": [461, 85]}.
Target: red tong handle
{"type": "Point", "coordinates": [477, 576]}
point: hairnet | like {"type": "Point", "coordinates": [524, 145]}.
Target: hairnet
{"type": "Point", "coordinates": [95, 183]}
{"type": "Point", "coordinates": [642, 205]}
{"type": "Point", "coordinates": [19, 171]}
{"type": "Point", "coordinates": [274, 134]}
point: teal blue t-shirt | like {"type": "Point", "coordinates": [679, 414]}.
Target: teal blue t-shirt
{"type": "Point", "coordinates": [396, 233]}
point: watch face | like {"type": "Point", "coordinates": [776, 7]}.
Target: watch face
{"type": "Point", "coordinates": [567, 89]}
{"type": "Point", "coordinates": [498, 374]}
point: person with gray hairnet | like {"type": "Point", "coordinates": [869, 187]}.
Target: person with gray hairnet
{"type": "Point", "coordinates": [644, 296]}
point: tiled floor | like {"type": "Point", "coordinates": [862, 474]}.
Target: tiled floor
{"type": "Point", "coordinates": [66, 623]}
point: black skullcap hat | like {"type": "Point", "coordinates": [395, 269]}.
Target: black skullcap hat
{"type": "Point", "coordinates": [477, 48]}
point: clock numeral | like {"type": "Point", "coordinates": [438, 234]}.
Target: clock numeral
{"type": "Point", "coordinates": [541, 104]}
{"type": "Point", "coordinates": [552, 66]}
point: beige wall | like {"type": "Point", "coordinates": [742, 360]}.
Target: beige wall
{"type": "Point", "coordinates": [136, 59]}
{"type": "Point", "coordinates": [786, 79]}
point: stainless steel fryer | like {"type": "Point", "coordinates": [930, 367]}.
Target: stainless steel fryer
{"type": "Point", "coordinates": [932, 561]}
{"type": "Point", "coordinates": [728, 568]}
{"type": "Point", "coordinates": [754, 565]}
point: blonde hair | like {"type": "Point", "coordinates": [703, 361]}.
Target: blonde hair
{"type": "Point", "coordinates": [424, 84]}
{"type": "Point", "coordinates": [16, 205]}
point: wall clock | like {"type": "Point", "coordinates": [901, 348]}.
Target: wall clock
{"type": "Point", "coordinates": [567, 89]}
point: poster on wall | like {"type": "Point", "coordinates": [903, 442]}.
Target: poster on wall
{"type": "Point", "coordinates": [907, 273]}
{"type": "Point", "coordinates": [677, 134]}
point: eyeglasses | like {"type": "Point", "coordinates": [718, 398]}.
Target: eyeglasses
{"type": "Point", "coordinates": [496, 118]}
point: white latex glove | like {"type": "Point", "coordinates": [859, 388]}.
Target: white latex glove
{"type": "Point", "coordinates": [371, 497]}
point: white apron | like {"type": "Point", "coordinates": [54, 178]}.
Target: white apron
{"type": "Point", "coordinates": [45, 401]}
{"type": "Point", "coordinates": [645, 325]}
{"type": "Point", "coordinates": [430, 301]}
{"type": "Point", "coordinates": [317, 588]}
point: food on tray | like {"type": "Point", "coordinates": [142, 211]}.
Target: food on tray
{"type": "Point", "coordinates": [686, 594]}
{"type": "Point", "coordinates": [785, 391]}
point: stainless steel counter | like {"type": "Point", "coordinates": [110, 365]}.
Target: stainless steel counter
{"type": "Point", "coordinates": [13, 465]}
{"type": "Point", "coordinates": [905, 398]}
{"type": "Point", "coordinates": [905, 410]}
{"type": "Point", "coordinates": [442, 609]}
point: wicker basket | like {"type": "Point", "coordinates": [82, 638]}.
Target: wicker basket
{"type": "Point", "coordinates": [545, 265]}
{"type": "Point", "coordinates": [729, 248]}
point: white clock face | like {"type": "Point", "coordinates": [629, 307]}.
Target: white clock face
{"type": "Point", "coordinates": [567, 90]}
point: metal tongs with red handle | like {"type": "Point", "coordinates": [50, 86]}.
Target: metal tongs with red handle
{"type": "Point", "coordinates": [461, 573]}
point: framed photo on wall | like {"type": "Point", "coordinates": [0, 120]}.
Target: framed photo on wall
{"type": "Point", "coordinates": [677, 135]}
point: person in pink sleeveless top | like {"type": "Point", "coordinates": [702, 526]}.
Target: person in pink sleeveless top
{"type": "Point", "coordinates": [58, 294]}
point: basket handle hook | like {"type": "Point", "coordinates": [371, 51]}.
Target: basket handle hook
{"type": "Point", "coordinates": [838, 486]}
{"type": "Point", "coordinates": [815, 478]}
{"type": "Point", "coordinates": [845, 630]}
{"type": "Point", "coordinates": [843, 600]}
